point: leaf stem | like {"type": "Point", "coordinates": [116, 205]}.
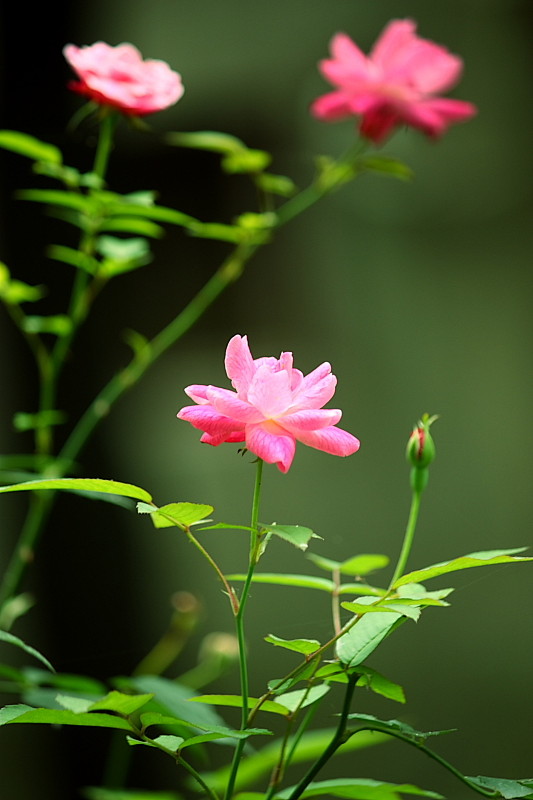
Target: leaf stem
{"type": "Point", "coordinates": [408, 537]}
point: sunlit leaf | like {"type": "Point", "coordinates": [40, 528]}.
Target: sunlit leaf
{"type": "Point", "coordinates": [206, 140]}
{"type": "Point", "coordinates": [480, 559]}
{"type": "Point", "coordinates": [297, 535]}
{"type": "Point", "coordinates": [304, 646]}
{"type": "Point", "coordinates": [359, 789]}
{"type": "Point", "coordinates": [138, 225]}
{"type": "Point", "coordinates": [176, 514]}
{"type": "Point", "coordinates": [120, 703]}
{"type": "Point", "coordinates": [300, 698]}
{"type": "Point", "coordinates": [82, 484]}
{"type": "Point", "coordinates": [235, 701]}
{"type": "Point", "coordinates": [26, 145]}
{"type": "Point", "coordinates": [363, 564]}
{"type": "Point", "coordinates": [14, 640]}
{"type": "Point", "coordinates": [366, 635]}
{"type": "Point", "coordinates": [47, 716]}
{"type": "Point", "coordinates": [75, 258]}
{"type": "Point", "coordinates": [280, 579]}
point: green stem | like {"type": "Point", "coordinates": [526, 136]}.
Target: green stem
{"type": "Point", "coordinates": [439, 759]}
{"type": "Point", "coordinates": [239, 623]}
{"type": "Point", "coordinates": [105, 144]}
{"type": "Point", "coordinates": [339, 737]}
{"type": "Point", "coordinates": [408, 537]}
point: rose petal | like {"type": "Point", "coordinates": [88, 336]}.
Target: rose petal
{"type": "Point", "coordinates": [205, 418]}
{"type": "Point", "coordinates": [309, 420]}
{"type": "Point", "coordinates": [332, 440]}
{"type": "Point", "coordinates": [271, 447]}
{"type": "Point", "coordinates": [229, 404]}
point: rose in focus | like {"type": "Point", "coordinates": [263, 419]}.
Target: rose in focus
{"type": "Point", "coordinates": [396, 84]}
{"type": "Point", "coordinates": [273, 406]}
{"type": "Point", "coordinates": [118, 77]}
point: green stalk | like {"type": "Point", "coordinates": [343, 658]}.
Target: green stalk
{"type": "Point", "coordinates": [408, 537]}
{"type": "Point", "coordinates": [239, 623]}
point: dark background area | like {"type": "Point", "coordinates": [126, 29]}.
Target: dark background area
{"type": "Point", "coordinates": [420, 296]}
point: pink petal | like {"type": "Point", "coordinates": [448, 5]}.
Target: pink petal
{"type": "Point", "coordinates": [207, 438]}
{"type": "Point", "coordinates": [228, 403]}
{"type": "Point", "coordinates": [430, 68]}
{"type": "Point", "coordinates": [396, 39]}
{"type": "Point", "coordinates": [309, 420]}
{"type": "Point", "coordinates": [239, 364]}
{"type": "Point", "coordinates": [205, 418]}
{"type": "Point", "coordinates": [344, 49]}
{"type": "Point", "coordinates": [378, 122]}
{"type": "Point", "coordinates": [332, 107]}
{"type": "Point", "coordinates": [316, 389]}
{"type": "Point", "coordinates": [270, 392]}
{"type": "Point", "coordinates": [197, 392]}
{"type": "Point", "coordinates": [436, 115]}
{"type": "Point", "coordinates": [332, 440]}
{"type": "Point", "coordinates": [271, 447]}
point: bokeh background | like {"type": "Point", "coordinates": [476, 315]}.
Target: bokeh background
{"type": "Point", "coordinates": [418, 293]}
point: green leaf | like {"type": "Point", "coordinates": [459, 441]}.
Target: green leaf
{"type": "Point", "coordinates": [58, 197]}
{"type": "Point", "coordinates": [182, 515]}
{"type": "Point", "coordinates": [120, 703]}
{"type": "Point", "coordinates": [276, 184]}
{"type": "Point", "coordinates": [396, 726]}
{"type": "Point", "coordinates": [138, 225]}
{"type": "Point", "coordinates": [363, 564]}
{"type": "Point", "coordinates": [361, 608]}
{"type": "Point", "coordinates": [366, 635]}
{"type": "Point", "coordinates": [235, 701]}
{"type": "Point", "coordinates": [82, 484]}
{"type": "Point", "coordinates": [48, 716]}
{"type": "Point", "coordinates": [506, 788]}
{"type": "Point", "coordinates": [280, 579]}
{"type": "Point", "coordinates": [480, 559]}
{"type": "Point", "coordinates": [359, 789]}
{"type": "Point", "coordinates": [379, 684]}
{"type": "Point", "coordinates": [122, 249]}
{"type": "Point", "coordinates": [416, 591]}
{"type": "Point", "coordinates": [167, 741]}
{"type": "Point", "coordinates": [226, 526]}
{"type": "Point", "coordinates": [304, 646]}
{"type": "Point", "coordinates": [99, 793]}
{"type": "Point", "coordinates": [14, 640]}
{"type": "Point", "coordinates": [206, 140]}
{"type": "Point", "coordinates": [119, 207]}
{"type": "Point", "coordinates": [246, 160]}
{"type": "Point", "coordinates": [301, 698]}
{"type": "Point", "coordinates": [150, 718]}
{"type": "Point", "coordinates": [361, 588]}
{"type": "Point", "coordinates": [217, 230]}
{"type": "Point", "coordinates": [297, 535]}
{"type": "Point", "coordinates": [384, 165]}
{"type": "Point", "coordinates": [14, 292]}
{"type": "Point", "coordinates": [57, 324]}
{"type": "Point", "coordinates": [310, 747]}
{"type": "Point", "coordinates": [67, 255]}
{"type": "Point", "coordinates": [26, 145]}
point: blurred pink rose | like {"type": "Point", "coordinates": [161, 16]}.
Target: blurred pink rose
{"type": "Point", "coordinates": [273, 407]}
{"type": "Point", "coordinates": [118, 77]}
{"type": "Point", "coordinates": [396, 84]}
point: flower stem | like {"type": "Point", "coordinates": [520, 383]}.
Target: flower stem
{"type": "Point", "coordinates": [408, 537]}
{"type": "Point", "coordinates": [239, 623]}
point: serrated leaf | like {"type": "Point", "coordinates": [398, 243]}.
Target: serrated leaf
{"type": "Point", "coordinates": [14, 640]}
{"type": "Point", "coordinates": [301, 698]}
{"type": "Point", "coordinates": [366, 635]}
{"type": "Point", "coordinates": [304, 646]}
{"type": "Point", "coordinates": [416, 591]}
{"type": "Point", "coordinates": [379, 684]}
{"type": "Point", "coordinates": [82, 484]}
{"type": "Point", "coordinates": [478, 559]}
{"type": "Point", "coordinates": [395, 725]}
{"type": "Point", "coordinates": [363, 564]}
{"type": "Point", "coordinates": [297, 535]}
{"type": "Point", "coordinates": [48, 716]}
{"type": "Point", "coordinates": [280, 579]}
{"type": "Point", "coordinates": [29, 146]}
{"type": "Point", "coordinates": [235, 701]}
{"type": "Point", "coordinates": [507, 788]}
{"type": "Point", "coordinates": [359, 789]}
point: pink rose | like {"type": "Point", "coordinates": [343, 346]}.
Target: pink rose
{"type": "Point", "coordinates": [273, 406]}
{"type": "Point", "coordinates": [396, 84]}
{"type": "Point", "coordinates": [118, 77]}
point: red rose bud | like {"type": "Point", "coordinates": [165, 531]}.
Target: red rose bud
{"type": "Point", "coordinates": [421, 452]}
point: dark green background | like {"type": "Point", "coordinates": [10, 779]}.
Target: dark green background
{"type": "Point", "coordinates": [419, 294]}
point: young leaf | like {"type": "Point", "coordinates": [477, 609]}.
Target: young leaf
{"type": "Point", "coordinates": [506, 788]}
{"type": "Point", "coordinates": [206, 140]}
{"type": "Point", "coordinates": [177, 514]}
{"type": "Point", "coordinates": [67, 255]}
{"type": "Point", "coordinates": [48, 716]}
{"type": "Point", "coordinates": [379, 684]}
{"type": "Point", "coordinates": [168, 741]}
{"type": "Point", "coordinates": [363, 564]}
{"type": "Point", "coordinates": [120, 703]}
{"type": "Point", "coordinates": [360, 641]}
{"type": "Point", "coordinates": [82, 484]}
{"type": "Point", "coordinates": [280, 579]}
{"type": "Point", "coordinates": [235, 701]}
{"type": "Point", "coordinates": [479, 559]}
{"type": "Point", "coordinates": [395, 725]}
{"type": "Point", "coordinates": [304, 646]}
{"type": "Point", "coordinates": [297, 535]}
{"type": "Point", "coordinates": [359, 789]}
{"type": "Point", "coordinates": [26, 145]}
{"type": "Point", "coordinates": [300, 698]}
{"type": "Point", "coordinates": [246, 160]}
{"type": "Point", "coordinates": [14, 640]}
{"type": "Point", "coordinates": [276, 184]}
{"type": "Point", "coordinates": [362, 608]}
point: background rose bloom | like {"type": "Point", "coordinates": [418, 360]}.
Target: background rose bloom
{"type": "Point", "coordinates": [273, 407]}
{"type": "Point", "coordinates": [396, 84]}
{"type": "Point", "coordinates": [118, 77]}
